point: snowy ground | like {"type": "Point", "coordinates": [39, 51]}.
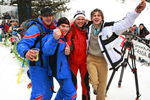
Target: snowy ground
{"type": "Point", "coordinates": [9, 65]}
{"type": "Point", "coordinates": [10, 89]}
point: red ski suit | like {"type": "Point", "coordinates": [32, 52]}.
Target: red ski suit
{"type": "Point", "coordinates": [76, 38]}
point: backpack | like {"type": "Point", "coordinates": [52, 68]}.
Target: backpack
{"type": "Point", "coordinates": [26, 25]}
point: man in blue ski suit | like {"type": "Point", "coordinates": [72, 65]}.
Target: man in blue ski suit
{"type": "Point", "coordinates": [57, 49]}
{"type": "Point", "coordinates": [36, 35]}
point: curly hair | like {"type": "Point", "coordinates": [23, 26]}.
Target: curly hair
{"type": "Point", "coordinates": [97, 10]}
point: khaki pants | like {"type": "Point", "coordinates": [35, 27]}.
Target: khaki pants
{"type": "Point", "coordinates": [98, 70]}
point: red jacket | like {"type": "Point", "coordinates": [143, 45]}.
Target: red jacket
{"type": "Point", "coordinates": [77, 38]}
{"type": "Point", "coordinates": [6, 28]}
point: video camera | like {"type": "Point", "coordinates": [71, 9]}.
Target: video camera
{"type": "Point", "coordinates": [130, 36]}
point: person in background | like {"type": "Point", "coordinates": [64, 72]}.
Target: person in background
{"type": "Point", "coordinates": [7, 16]}
{"type": "Point", "coordinates": [143, 31]}
{"type": "Point", "coordinates": [13, 26]}
{"type": "Point", "coordinates": [134, 30]}
{"type": "Point", "coordinates": [5, 27]}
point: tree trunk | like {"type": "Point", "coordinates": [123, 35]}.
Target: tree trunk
{"type": "Point", "coordinates": [24, 10]}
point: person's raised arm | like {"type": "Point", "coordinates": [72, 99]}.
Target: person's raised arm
{"type": "Point", "coordinates": [141, 6]}
{"type": "Point", "coordinates": [122, 25]}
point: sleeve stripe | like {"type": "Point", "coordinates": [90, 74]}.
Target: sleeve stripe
{"type": "Point", "coordinates": [31, 36]}
{"type": "Point", "coordinates": [61, 41]}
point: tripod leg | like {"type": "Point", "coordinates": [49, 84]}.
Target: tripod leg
{"type": "Point", "coordinates": [110, 80]}
{"type": "Point", "coordinates": [124, 64]}
{"type": "Point", "coordinates": [136, 83]}
{"type": "Point", "coordinates": [121, 76]}
{"type": "Point", "coordinates": [134, 70]}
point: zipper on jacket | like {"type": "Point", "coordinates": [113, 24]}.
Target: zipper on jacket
{"type": "Point", "coordinates": [60, 67]}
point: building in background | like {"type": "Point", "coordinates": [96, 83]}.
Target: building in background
{"type": "Point", "coordinates": [10, 10]}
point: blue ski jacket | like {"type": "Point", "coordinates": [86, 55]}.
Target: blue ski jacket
{"type": "Point", "coordinates": [32, 34]}
{"type": "Point", "coordinates": [56, 48]}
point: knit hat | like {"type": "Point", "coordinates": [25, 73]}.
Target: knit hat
{"type": "Point", "coordinates": [79, 13]}
{"type": "Point", "coordinates": [63, 20]}
{"type": "Point", "coordinates": [46, 11]}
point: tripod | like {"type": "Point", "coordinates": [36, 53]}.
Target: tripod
{"type": "Point", "coordinates": [128, 52]}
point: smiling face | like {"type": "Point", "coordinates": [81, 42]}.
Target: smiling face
{"type": "Point", "coordinates": [97, 17]}
{"type": "Point", "coordinates": [80, 21]}
{"type": "Point", "coordinates": [64, 28]}
{"type": "Point", "coordinates": [47, 19]}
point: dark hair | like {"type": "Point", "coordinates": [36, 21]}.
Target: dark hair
{"type": "Point", "coordinates": [97, 10]}
{"type": "Point", "coordinates": [141, 24]}
{"type": "Point", "coordinates": [63, 20]}
{"type": "Point", "coordinates": [134, 25]}
{"type": "Point", "coordinates": [46, 11]}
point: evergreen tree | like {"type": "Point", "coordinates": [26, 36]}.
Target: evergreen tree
{"type": "Point", "coordinates": [29, 8]}
{"type": "Point", "coordinates": [57, 6]}
{"type": "Point", "coordinates": [24, 10]}
{"type": "Point", "coordinates": [1, 2]}
{"type": "Point", "coordinates": [148, 0]}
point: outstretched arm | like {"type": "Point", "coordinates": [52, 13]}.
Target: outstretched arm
{"type": "Point", "coordinates": [128, 21]}
{"type": "Point", "coordinates": [141, 6]}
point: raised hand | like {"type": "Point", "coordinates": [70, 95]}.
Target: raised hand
{"type": "Point", "coordinates": [57, 33]}
{"type": "Point", "coordinates": [67, 49]}
{"type": "Point", "coordinates": [141, 6]}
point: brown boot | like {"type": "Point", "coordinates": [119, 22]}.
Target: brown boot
{"type": "Point", "coordinates": [95, 92]}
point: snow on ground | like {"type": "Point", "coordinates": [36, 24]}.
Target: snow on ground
{"type": "Point", "coordinates": [9, 68]}
{"type": "Point", "coordinates": [114, 10]}
{"type": "Point", "coordinates": [10, 89]}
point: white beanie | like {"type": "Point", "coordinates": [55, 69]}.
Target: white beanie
{"type": "Point", "coordinates": [79, 13]}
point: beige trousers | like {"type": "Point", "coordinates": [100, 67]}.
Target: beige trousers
{"type": "Point", "coordinates": [98, 70]}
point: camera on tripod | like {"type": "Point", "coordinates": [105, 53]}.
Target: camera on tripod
{"type": "Point", "coordinates": [128, 43]}
{"type": "Point", "coordinates": [127, 52]}
{"type": "Point", "coordinates": [129, 36]}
